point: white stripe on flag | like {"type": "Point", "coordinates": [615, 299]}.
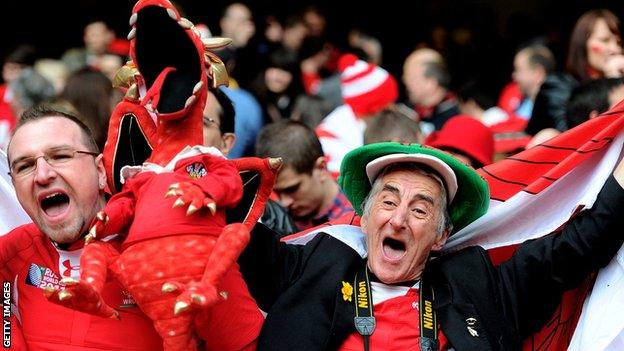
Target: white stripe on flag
{"type": "Point", "coordinates": [526, 216]}
{"type": "Point", "coordinates": [600, 325]}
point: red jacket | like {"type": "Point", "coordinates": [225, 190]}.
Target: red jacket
{"type": "Point", "coordinates": [29, 261]}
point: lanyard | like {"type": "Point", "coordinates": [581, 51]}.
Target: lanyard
{"type": "Point", "coordinates": [365, 320]}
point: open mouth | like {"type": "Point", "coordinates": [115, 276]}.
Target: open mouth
{"type": "Point", "coordinates": [55, 204]}
{"type": "Point", "coordinates": [393, 249]}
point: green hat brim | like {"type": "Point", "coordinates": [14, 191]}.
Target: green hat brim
{"type": "Point", "coordinates": [471, 200]}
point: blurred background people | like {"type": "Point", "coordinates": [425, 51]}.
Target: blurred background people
{"type": "Point", "coordinates": [366, 89]}
{"type": "Point", "coordinates": [21, 57]}
{"type": "Point", "coordinates": [428, 83]}
{"type": "Point", "coordinates": [91, 95]}
{"type": "Point", "coordinates": [532, 64]}
{"type": "Point", "coordinates": [594, 51]}
{"type": "Point", "coordinates": [96, 52]}
{"type": "Point", "coordinates": [394, 123]}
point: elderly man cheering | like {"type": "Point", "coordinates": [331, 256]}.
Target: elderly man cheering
{"type": "Point", "coordinates": [383, 288]}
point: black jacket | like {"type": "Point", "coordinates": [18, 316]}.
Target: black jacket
{"type": "Point", "coordinates": [299, 285]}
{"type": "Point", "coordinates": [549, 110]}
{"type": "Point", "coordinates": [277, 218]}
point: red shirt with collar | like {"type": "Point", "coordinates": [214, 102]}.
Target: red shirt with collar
{"type": "Point", "coordinates": [29, 261]}
{"type": "Point", "coordinates": [397, 328]}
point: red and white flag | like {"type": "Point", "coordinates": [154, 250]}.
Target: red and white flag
{"type": "Point", "coordinates": [535, 192]}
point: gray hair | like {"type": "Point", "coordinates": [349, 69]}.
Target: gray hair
{"type": "Point", "coordinates": [31, 88]}
{"type": "Point", "coordinates": [444, 221]}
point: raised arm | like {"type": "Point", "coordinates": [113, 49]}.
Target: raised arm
{"type": "Point", "coordinates": [536, 276]}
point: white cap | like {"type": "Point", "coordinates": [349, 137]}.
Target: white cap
{"type": "Point", "coordinates": [374, 167]}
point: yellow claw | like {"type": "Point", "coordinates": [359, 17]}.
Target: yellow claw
{"type": "Point", "coordinates": [224, 295]}
{"type": "Point", "coordinates": [65, 295]}
{"type": "Point", "coordinates": [168, 288]}
{"type": "Point", "coordinates": [90, 237]}
{"type": "Point", "coordinates": [174, 186]}
{"type": "Point", "coordinates": [216, 42]}
{"type": "Point", "coordinates": [275, 163]}
{"type": "Point", "coordinates": [93, 232]}
{"type": "Point", "coordinates": [180, 307]}
{"type": "Point", "coordinates": [198, 299]}
{"type": "Point", "coordinates": [124, 77]}
{"type": "Point", "coordinates": [179, 202]}
{"type": "Point", "coordinates": [170, 193]}
{"type": "Point", "coordinates": [69, 281]}
{"type": "Point", "coordinates": [48, 291]}
{"type": "Point", "coordinates": [212, 207]}
{"type": "Point", "coordinates": [115, 315]}
{"type": "Point", "coordinates": [132, 93]}
{"type": "Point", "coordinates": [191, 209]}
{"type": "Point", "coordinates": [102, 216]}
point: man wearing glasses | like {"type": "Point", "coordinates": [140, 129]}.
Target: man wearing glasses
{"type": "Point", "coordinates": [59, 180]}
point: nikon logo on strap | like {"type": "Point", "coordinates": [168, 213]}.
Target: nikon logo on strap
{"type": "Point", "coordinates": [362, 296]}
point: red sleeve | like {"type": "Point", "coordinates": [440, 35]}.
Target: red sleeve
{"type": "Point", "coordinates": [221, 181]}
{"type": "Point", "coordinates": [234, 323]}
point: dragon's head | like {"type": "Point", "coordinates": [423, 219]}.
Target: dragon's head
{"type": "Point", "coordinates": [166, 86]}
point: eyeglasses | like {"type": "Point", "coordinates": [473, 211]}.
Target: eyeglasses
{"type": "Point", "coordinates": [25, 166]}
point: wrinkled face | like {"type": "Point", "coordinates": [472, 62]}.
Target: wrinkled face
{"type": "Point", "coordinates": [62, 200]}
{"type": "Point", "coordinates": [601, 45]}
{"type": "Point", "coordinates": [300, 193]}
{"type": "Point", "coordinates": [277, 80]}
{"type": "Point", "coordinates": [402, 225]}
{"type": "Point", "coordinates": [527, 77]}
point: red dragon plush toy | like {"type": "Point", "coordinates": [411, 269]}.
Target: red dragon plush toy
{"type": "Point", "coordinates": [171, 260]}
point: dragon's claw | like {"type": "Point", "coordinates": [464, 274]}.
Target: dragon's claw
{"type": "Point", "coordinates": [65, 295]}
{"type": "Point", "coordinates": [192, 196]}
{"type": "Point", "coordinates": [169, 288]}
{"type": "Point", "coordinates": [198, 299]}
{"type": "Point", "coordinates": [180, 307]}
{"type": "Point", "coordinates": [178, 203]}
{"type": "Point", "coordinates": [80, 296]}
{"type": "Point", "coordinates": [211, 206]}
{"type": "Point", "coordinates": [191, 209]}
{"type": "Point", "coordinates": [68, 281]}
{"type": "Point", "coordinates": [97, 226]}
